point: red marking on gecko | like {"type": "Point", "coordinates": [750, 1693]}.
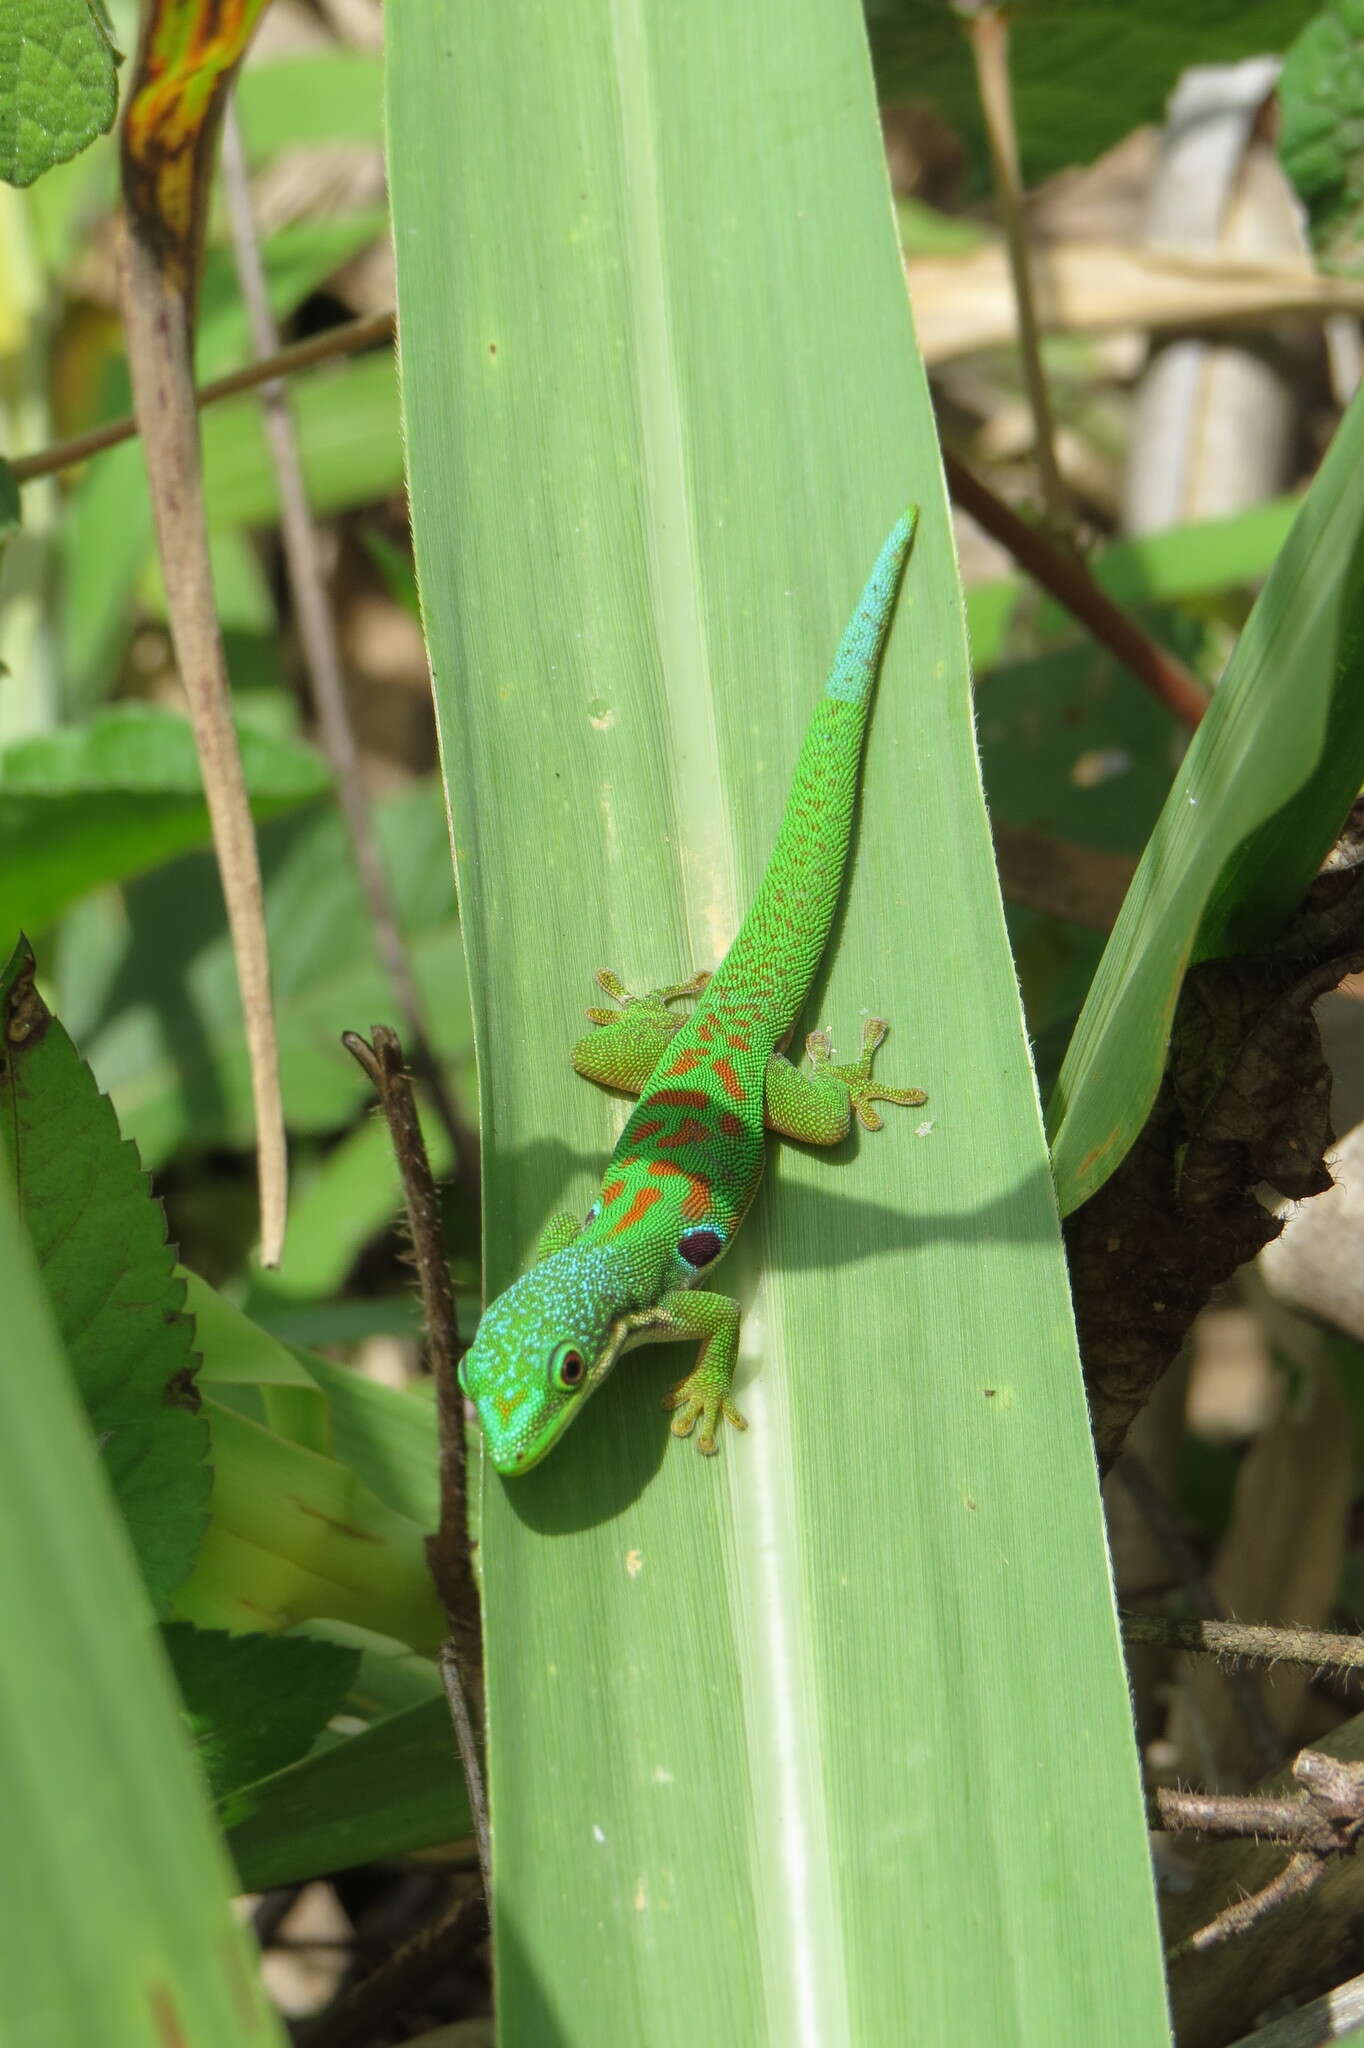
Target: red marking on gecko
{"type": "Point", "coordinates": [648, 1130]}
{"type": "Point", "coordinates": [729, 1080]}
{"type": "Point", "coordinates": [612, 1193]}
{"type": "Point", "coordinates": [739, 1044]}
{"type": "Point", "coordinates": [688, 1058]}
{"type": "Point", "coordinates": [688, 1132]}
{"type": "Point", "coordinates": [697, 1200]}
{"type": "Point", "coordinates": [638, 1209]}
{"type": "Point", "coordinates": [730, 1125]}
{"type": "Point", "coordinates": [681, 1098]}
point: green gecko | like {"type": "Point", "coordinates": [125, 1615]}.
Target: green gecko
{"type": "Point", "coordinates": [692, 1153]}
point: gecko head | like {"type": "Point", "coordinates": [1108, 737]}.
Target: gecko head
{"type": "Point", "coordinates": [541, 1349]}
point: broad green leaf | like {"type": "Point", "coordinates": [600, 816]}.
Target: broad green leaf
{"type": "Point", "coordinates": [286, 102]}
{"type": "Point", "coordinates": [295, 1536]}
{"type": "Point", "coordinates": [58, 83]}
{"type": "Point", "coordinates": [1259, 798]}
{"type": "Point", "coordinates": [1083, 72]}
{"type": "Point", "coordinates": [781, 1747]}
{"type": "Point", "coordinates": [393, 1789]}
{"type": "Point", "coordinates": [113, 1883]}
{"type": "Point", "coordinates": [100, 802]}
{"type": "Point", "coordinates": [254, 1704]}
{"type": "Point", "coordinates": [347, 425]}
{"type": "Point", "coordinates": [384, 1436]}
{"type": "Point", "coordinates": [162, 1028]}
{"type": "Point", "coordinates": [1321, 131]}
{"type": "Point", "coordinates": [100, 1241]}
{"type": "Point", "coordinates": [350, 1197]}
{"type": "Point", "coordinates": [323, 1488]}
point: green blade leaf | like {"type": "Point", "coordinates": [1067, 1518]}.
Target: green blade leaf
{"type": "Point", "coordinates": [103, 801]}
{"type": "Point", "coordinates": [780, 1745]}
{"type": "Point", "coordinates": [254, 1703]}
{"type": "Point", "coordinates": [391, 1790]}
{"type": "Point", "coordinates": [113, 1885]}
{"type": "Point", "coordinates": [100, 1240]}
{"type": "Point", "coordinates": [1258, 800]}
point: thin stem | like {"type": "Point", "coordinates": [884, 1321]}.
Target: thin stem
{"type": "Point", "coordinates": [1313, 1648]}
{"type": "Point", "coordinates": [448, 1549]}
{"type": "Point", "coordinates": [1065, 577]}
{"type": "Point", "coordinates": [322, 660]}
{"type": "Point", "coordinates": [987, 31]}
{"type": "Point", "coordinates": [359, 2015]}
{"type": "Point", "coordinates": [347, 339]}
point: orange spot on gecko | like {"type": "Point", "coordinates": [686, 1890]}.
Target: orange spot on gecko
{"type": "Point", "coordinates": [681, 1098]}
{"type": "Point", "coordinates": [697, 1200]}
{"type": "Point", "coordinates": [730, 1125]}
{"type": "Point", "coordinates": [507, 1404]}
{"type": "Point", "coordinates": [648, 1130]}
{"type": "Point", "coordinates": [688, 1132]}
{"type": "Point", "coordinates": [689, 1057]}
{"type": "Point", "coordinates": [638, 1209]}
{"type": "Point", "coordinates": [738, 1044]}
{"type": "Point", "coordinates": [729, 1080]}
{"type": "Point", "coordinates": [612, 1192]}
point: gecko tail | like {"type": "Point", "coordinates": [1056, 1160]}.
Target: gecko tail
{"type": "Point", "coordinates": [853, 675]}
{"type": "Point", "coordinates": [780, 942]}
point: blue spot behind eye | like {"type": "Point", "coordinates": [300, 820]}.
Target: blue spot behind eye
{"type": "Point", "coordinates": [593, 1213]}
{"type": "Point", "coordinates": [700, 1247]}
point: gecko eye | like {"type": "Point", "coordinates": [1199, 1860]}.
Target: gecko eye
{"type": "Point", "coordinates": [567, 1368]}
{"type": "Point", "coordinates": [593, 1213]}
{"type": "Point", "coordinates": [699, 1247]}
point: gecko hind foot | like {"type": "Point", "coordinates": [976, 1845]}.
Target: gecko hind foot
{"type": "Point", "coordinates": [856, 1077]}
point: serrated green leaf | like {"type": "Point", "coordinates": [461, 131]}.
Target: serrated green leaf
{"type": "Point", "coordinates": [113, 1883]}
{"type": "Point", "coordinates": [1321, 131]}
{"type": "Point", "coordinates": [163, 1031]}
{"type": "Point", "coordinates": [254, 1703]}
{"type": "Point", "coordinates": [100, 1240]}
{"type": "Point", "coordinates": [394, 1789]}
{"type": "Point", "coordinates": [58, 84]}
{"type": "Point", "coordinates": [786, 1728]}
{"type": "Point", "coordinates": [101, 802]}
{"type": "Point", "coordinates": [1258, 800]}
{"type": "Point", "coordinates": [1083, 72]}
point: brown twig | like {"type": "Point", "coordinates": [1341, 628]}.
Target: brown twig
{"type": "Point", "coordinates": [323, 664]}
{"type": "Point", "coordinates": [359, 2014]}
{"type": "Point", "coordinates": [166, 166]}
{"type": "Point", "coordinates": [1067, 580]}
{"type": "Point", "coordinates": [1314, 1648]}
{"type": "Point", "coordinates": [448, 1549]}
{"type": "Point", "coordinates": [347, 339]}
{"type": "Point", "coordinates": [1326, 1821]}
{"type": "Point", "coordinates": [987, 32]}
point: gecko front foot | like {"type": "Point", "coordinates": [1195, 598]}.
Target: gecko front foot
{"type": "Point", "coordinates": [693, 1401]}
{"type": "Point", "coordinates": [656, 1001]}
{"type": "Point", "coordinates": [856, 1078]}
